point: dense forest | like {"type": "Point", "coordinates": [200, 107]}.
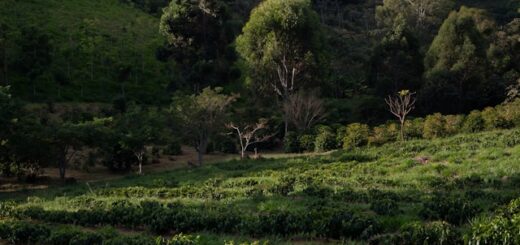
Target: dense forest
{"type": "Point", "coordinates": [391, 121]}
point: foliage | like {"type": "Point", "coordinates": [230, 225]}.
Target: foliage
{"type": "Point", "coordinates": [291, 143]}
{"type": "Point", "coordinates": [451, 209]}
{"type": "Point", "coordinates": [173, 148]}
{"type": "Point", "coordinates": [431, 233]}
{"type": "Point", "coordinates": [83, 52]}
{"type": "Point", "coordinates": [362, 195]}
{"type": "Point", "coordinates": [307, 142]}
{"type": "Point", "coordinates": [325, 139]}
{"type": "Point", "coordinates": [199, 35]}
{"type": "Point", "coordinates": [381, 135]}
{"type": "Point", "coordinates": [499, 229]}
{"type": "Point", "coordinates": [357, 135]}
{"type": "Point", "coordinates": [493, 120]}
{"type": "Point", "coordinates": [434, 126]}
{"type": "Point", "coordinates": [473, 122]}
{"type": "Point", "coordinates": [201, 116]}
{"type": "Point", "coordinates": [453, 124]}
{"type": "Point", "coordinates": [396, 62]}
{"type": "Point", "coordinates": [280, 31]}
{"type": "Point", "coordinates": [456, 63]}
{"type": "Point", "coordinates": [420, 16]}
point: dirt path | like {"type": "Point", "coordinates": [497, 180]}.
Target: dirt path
{"type": "Point", "coordinates": [101, 173]}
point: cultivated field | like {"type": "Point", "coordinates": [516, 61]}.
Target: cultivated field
{"type": "Point", "coordinates": [438, 191]}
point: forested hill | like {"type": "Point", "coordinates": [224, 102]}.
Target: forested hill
{"type": "Point", "coordinates": [99, 50]}
{"type": "Point", "coordinates": [80, 50]}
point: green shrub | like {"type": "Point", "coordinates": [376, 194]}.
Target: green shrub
{"type": "Point", "coordinates": [510, 112]}
{"type": "Point", "coordinates": [341, 131]}
{"type": "Point", "coordinates": [173, 148]}
{"type": "Point", "coordinates": [315, 190]}
{"type": "Point", "coordinates": [455, 210]}
{"type": "Point", "coordinates": [384, 206]}
{"type": "Point", "coordinates": [290, 143]}
{"type": "Point", "coordinates": [306, 142]}
{"type": "Point", "coordinates": [23, 233]}
{"type": "Point", "coordinates": [63, 236]}
{"type": "Point", "coordinates": [493, 119]}
{"type": "Point", "coordinates": [285, 185]}
{"type": "Point", "coordinates": [325, 139]}
{"type": "Point", "coordinates": [356, 135]}
{"type": "Point", "coordinates": [430, 233]}
{"type": "Point", "coordinates": [453, 124]}
{"type": "Point", "coordinates": [6, 208]}
{"type": "Point", "coordinates": [179, 239]}
{"type": "Point", "coordinates": [378, 136]}
{"type": "Point", "coordinates": [355, 156]}
{"type": "Point", "coordinates": [413, 128]}
{"type": "Point", "coordinates": [473, 123]}
{"type": "Point", "coordinates": [434, 126]}
{"type": "Point", "coordinates": [383, 134]}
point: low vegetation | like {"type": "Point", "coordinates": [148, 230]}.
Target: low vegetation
{"type": "Point", "coordinates": [378, 195]}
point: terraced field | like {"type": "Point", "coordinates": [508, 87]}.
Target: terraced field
{"type": "Point", "coordinates": [444, 191]}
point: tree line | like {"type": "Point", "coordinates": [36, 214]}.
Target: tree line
{"type": "Point", "coordinates": [269, 79]}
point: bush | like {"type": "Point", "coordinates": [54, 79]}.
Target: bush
{"type": "Point", "coordinates": [224, 143]}
{"type": "Point", "coordinates": [430, 233]}
{"type": "Point", "coordinates": [510, 112]}
{"type": "Point", "coordinates": [173, 148]}
{"type": "Point", "coordinates": [356, 135]}
{"type": "Point", "coordinates": [455, 210]}
{"type": "Point", "coordinates": [384, 206]}
{"type": "Point", "coordinates": [504, 228]}
{"type": "Point", "coordinates": [306, 142]}
{"type": "Point", "coordinates": [493, 120]}
{"type": "Point", "coordinates": [473, 123]}
{"type": "Point", "coordinates": [453, 124]}
{"type": "Point", "coordinates": [341, 131]}
{"type": "Point", "coordinates": [23, 233]}
{"type": "Point", "coordinates": [383, 134]}
{"type": "Point", "coordinates": [413, 128]}
{"type": "Point", "coordinates": [325, 139]}
{"type": "Point", "coordinates": [290, 143]}
{"type": "Point", "coordinates": [179, 239]}
{"type": "Point", "coordinates": [434, 126]}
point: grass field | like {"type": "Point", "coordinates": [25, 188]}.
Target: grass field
{"type": "Point", "coordinates": [363, 196]}
{"type": "Point", "coordinates": [106, 33]}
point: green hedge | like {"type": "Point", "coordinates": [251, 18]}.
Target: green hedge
{"type": "Point", "coordinates": [433, 126]}
{"type": "Point", "coordinates": [19, 232]}
{"type": "Point", "coordinates": [163, 218]}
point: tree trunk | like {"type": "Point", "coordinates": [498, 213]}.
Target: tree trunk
{"type": "Point", "coordinates": [200, 156]}
{"type": "Point", "coordinates": [140, 164]}
{"type": "Point", "coordinates": [63, 167]}
{"type": "Point", "coordinates": [201, 150]}
{"type": "Point", "coordinates": [6, 80]}
{"type": "Point", "coordinates": [286, 122]}
{"type": "Point", "coordinates": [243, 154]}
{"type": "Point", "coordinates": [402, 131]}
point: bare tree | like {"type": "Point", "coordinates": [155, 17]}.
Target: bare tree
{"type": "Point", "coordinates": [284, 87]}
{"type": "Point", "coordinates": [400, 106]}
{"type": "Point", "coordinates": [304, 109]}
{"type": "Point", "coordinates": [248, 135]}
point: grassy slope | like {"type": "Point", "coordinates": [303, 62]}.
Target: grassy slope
{"type": "Point", "coordinates": [127, 35]}
{"type": "Point", "coordinates": [483, 168]}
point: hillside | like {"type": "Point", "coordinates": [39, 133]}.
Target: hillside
{"type": "Point", "coordinates": [87, 50]}
{"type": "Point", "coordinates": [377, 194]}
{"type": "Point", "coordinates": [98, 50]}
